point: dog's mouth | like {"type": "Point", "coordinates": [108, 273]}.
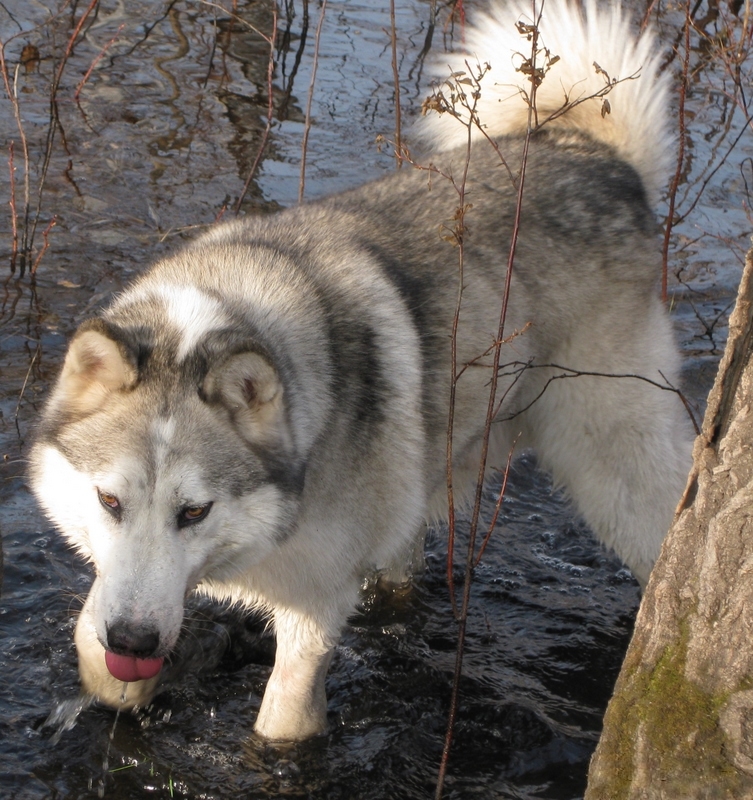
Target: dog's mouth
{"type": "Point", "coordinates": [131, 668]}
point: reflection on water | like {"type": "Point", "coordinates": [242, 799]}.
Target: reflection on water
{"type": "Point", "coordinates": [160, 143]}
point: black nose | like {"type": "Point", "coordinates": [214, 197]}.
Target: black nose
{"type": "Point", "coordinates": [129, 639]}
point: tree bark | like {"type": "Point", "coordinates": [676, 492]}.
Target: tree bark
{"type": "Point", "coordinates": [680, 722]}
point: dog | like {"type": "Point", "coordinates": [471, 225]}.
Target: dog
{"type": "Point", "coordinates": [263, 416]}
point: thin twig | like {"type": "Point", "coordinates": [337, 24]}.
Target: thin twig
{"type": "Point", "coordinates": [13, 212]}
{"type": "Point", "coordinates": [457, 237]}
{"type": "Point", "coordinates": [13, 97]}
{"type": "Point", "coordinates": [647, 15]}
{"type": "Point", "coordinates": [96, 61]}
{"type": "Point", "coordinates": [307, 126]}
{"type": "Point", "coordinates": [23, 388]}
{"type": "Point", "coordinates": [710, 175]}
{"type": "Point", "coordinates": [45, 244]}
{"type": "Point", "coordinates": [12, 93]}
{"type": "Point", "coordinates": [680, 157]}
{"type": "Point", "coordinates": [396, 80]}
{"type": "Point", "coordinates": [490, 413]}
{"type": "Point", "coordinates": [498, 505]}
{"type": "Point", "coordinates": [270, 107]}
{"type": "Point", "coordinates": [53, 125]}
{"type": "Point", "coordinates": [517, 368]}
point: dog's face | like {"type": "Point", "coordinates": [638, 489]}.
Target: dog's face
{"type": "Point", "coordinates": [162, 476]}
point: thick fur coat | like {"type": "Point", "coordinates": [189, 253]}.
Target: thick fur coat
{"type": "Point", "coordinates": [263, 415]}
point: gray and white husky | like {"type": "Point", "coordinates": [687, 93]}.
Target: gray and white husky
{"type": "Point", "coordinates": [263, 416]}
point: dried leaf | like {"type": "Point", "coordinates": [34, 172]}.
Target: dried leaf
{"type": "Point", "coordinates": [460, 212]}
{"type": "Point", "coordinates": [524, 29]}
{"type": "Point", "coordinates": [433, 103]}
{"type": "Point", "coordinates": [600, 71]}
{"type": "Point", "coordinates": [30, 57]}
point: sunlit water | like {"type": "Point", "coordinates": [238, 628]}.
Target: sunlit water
{"type": "Point", "coordinates": [162, 141]}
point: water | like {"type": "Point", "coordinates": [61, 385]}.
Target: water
{"type": "Point", "coordinates": [161, 142]}
{"type": "Point", "coordinates": [550, 620]}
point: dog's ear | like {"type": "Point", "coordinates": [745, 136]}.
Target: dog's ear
{"type": "Point", "coordinates": [97, 364]}
{"type": "Point", "coordinates": [248, 386]}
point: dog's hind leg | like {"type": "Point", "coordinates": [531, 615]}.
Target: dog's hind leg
{"type": "Point", "coordinates": [619, 445]}
{"type": "Point", "coordinates": [407, 563]}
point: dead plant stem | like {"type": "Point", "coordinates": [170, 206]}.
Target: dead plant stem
{"type": "Point", "coordinates": [498, 505]}
{"type": "Point", "coordinates": [307, 126]}
{"type": "Point", "coordinates": [457, 238]}
{"type": "Point", "coordinates": [13, 211]}
{"type": "Point", "coordinates": [30, 224]}
{"type": "Point", "coordinates": [460, 222]}
{"type": "Point", "coordinates": [45, 244]}
{"type": "Point", "coordinates": [517, 368]}
{"type": "Point", "coordinates": [680, 156]}
{"type": "Point", "coordinates": [270, 108]}
{"type": "Point", "coordinates": [490, 413]}
{"type": "Point", "coordinates": [13, 97]}
{"type": "Point", "coordinates": [96, 61]}
{"type": "Point", "coordinates": [396, 80]}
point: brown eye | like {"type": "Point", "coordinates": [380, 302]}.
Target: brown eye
{"type": "Point", "coordinates": [190, 514]}
{"type": "Point", "coordinates": [110, 502]}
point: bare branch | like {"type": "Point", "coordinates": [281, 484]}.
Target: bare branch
{"type": "Point", "coordinates": [307, 126]}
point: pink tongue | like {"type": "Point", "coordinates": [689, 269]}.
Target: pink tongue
{"type": "Point", "coordinates": [130, 668]}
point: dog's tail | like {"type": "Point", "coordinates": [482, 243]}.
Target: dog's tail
{"type": "Point", "coordinates": [597, 75]}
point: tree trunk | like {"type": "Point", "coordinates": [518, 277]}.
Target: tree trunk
{"type": "Point", "coordinates": [680, 723]}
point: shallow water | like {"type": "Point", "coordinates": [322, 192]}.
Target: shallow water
{"type": "Point", "coordinates": [162, 140]}
{"type": "Point", "coordinates": [549, 623]}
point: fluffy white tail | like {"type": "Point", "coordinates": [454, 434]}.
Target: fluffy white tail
{"type": "Point", "coordinates": [596, 47]}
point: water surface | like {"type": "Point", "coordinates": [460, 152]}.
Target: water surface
{"type": "Point", "coordinates": [158, 146]}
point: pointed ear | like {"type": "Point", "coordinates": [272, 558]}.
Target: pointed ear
{"type": "Point", "coordinates": [248, 386]}
{"type": "Point", "coordinates": [97, 364]}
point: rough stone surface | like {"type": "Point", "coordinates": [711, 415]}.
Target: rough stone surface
{"type": "Point", "coordinates": [680, 723]}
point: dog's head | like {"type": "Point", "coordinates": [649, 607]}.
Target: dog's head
{"type": "Point", "coordinates": [164, 466]}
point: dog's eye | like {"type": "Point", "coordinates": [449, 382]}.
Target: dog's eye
{"type": "Point", "coordinates": [110, 502]}
{"type": "Point", "coordinates": [190, 514]}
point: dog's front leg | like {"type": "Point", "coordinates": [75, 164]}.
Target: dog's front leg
{"type": "Point", "coordinates": [294, 706]}
{"type": "Point", "coordinates": [95, 677]}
